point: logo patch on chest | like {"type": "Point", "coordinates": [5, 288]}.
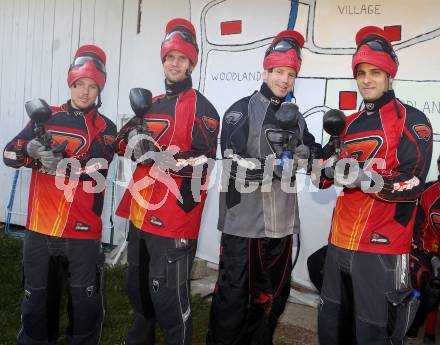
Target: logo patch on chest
{"type": "Point", "coordinates": [80, 226]}
{"type": "Point", "coordinates": [75, 142]}
{"type": "Point", "coordinates": [378, 238]}
{"type": "Point", "coordinates": [210, 123]}
{"type": "Point", "coordinates": [233, 117]}
{"type": "Point", "coordinates": [435, 220]}
{"type": "Point", "coordinates": [109, 139]}
{"type": "Point", "coordinates": [423, 132]}
{"type": "Point", "coordinates": [156, 128]}
{"type": "Point", "coordinates": [364, 148]}
{"type": "Point", "coordinates": [275, 100]}
{"type": "Point", "coordinates": [156, 221]}
{"type": "Point", "coordinates": [369, 106]}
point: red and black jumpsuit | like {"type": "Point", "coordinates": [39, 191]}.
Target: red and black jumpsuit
{"type": "Point", "coordinates": [165, 213]}
{"type": "Point", "coordinates": [64, 229]}
{"type": "Point", "coordinates": [426, 241]}
{"type": "Point", "coordinates": [371, 232]}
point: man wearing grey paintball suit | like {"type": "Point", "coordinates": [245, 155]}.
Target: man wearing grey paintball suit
{"type": "Point", "coordinates": [258, 205]}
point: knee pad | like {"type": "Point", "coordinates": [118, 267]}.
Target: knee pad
{"type": "Point", "coordinates": [86, 309]}
{"type": "Point", "coordinates": [402, 307]}
{"type": "Point", "coordinates": [335, 323]}
{"type": "Point", "coordinates": [138, 291]}
{"type": "Point", "coordinates": [328, 318]}
{"type": "Point", "coordinates": [372, 333]}
{"type": "Point", "coordinates": [38, 322]}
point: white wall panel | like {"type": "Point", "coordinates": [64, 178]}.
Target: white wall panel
{"type": "Point", "coordinates": [39, 37]}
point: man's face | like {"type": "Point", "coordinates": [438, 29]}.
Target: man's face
{"type": "Point", "coordinates": [280, 80]}
{"type": "Point", "coordinates": [175, 66]}
{"type": "Point", "coordinates": [83, 93]}
{"type": "Point", "coordinates": [371, 81]}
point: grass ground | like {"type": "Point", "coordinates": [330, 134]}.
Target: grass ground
{"type": "Point", "coordinates": [118, 315]}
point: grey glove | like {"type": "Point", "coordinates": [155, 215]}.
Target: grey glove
{"type": "Point", "coordinates": [301, 152]}
{"type": "Point", "coordinates": [330, 164]}
{"type": "Point", "coordinates": [34, 148]}
{"type": "Point", "coordinates": [141, 147]}
{"type": "Point", "coordinates": [165, 159]}
{"type": "Point", "coordinates": [50, 159]}
{"type": "Point", "coordinates": [435, 262]}
{"type": "Point", "coordinates": [360, 177]}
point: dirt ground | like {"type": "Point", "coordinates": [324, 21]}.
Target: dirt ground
{"type": "Point", "coordinates": [293, 335]}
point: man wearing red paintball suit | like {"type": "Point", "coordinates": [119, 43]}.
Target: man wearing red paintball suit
{"type": "Point", "coordinates": [373, 220]}
{"type": "Point", "coordinates": [165, 211]}
{"type": "Point", "coordinates": [64, 226]}
{"type": "Point", "coordinates": [424, 260]}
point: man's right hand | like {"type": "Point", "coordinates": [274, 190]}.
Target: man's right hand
{"type": "Point", "coordinates": [34, 148]}
{"type": "Point", "coordinates": [330, 166]}
{"type": "Point", "coordinates": [141, 146]}
{"type": "Point", "coordinates": [435, 262]}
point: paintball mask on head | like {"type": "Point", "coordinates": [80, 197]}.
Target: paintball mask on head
{"type": "Point", "coordinates": [89, 62]}
{"type": "Point", "coordinates": [180, 35]}
{"type": "Point", "coordinates": [284, 51]}
{"type": "Point", "coordinates": [374, 48]}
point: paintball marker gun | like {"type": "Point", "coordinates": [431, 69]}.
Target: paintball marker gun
{"type": "Point", "coordinates": [140, 102]}
{"type": "Point", "coordinates": [334, 124]}
{"type": "Point", "coordinates": [39, 112]}
{"type": "Point", "coordinates": [288, 117]}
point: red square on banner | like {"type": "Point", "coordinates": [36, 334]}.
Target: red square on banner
{"type": "Point", "coordinates": [230, 28]}
{"type": "Point", "coordinates": [347, 100]}
{"type": "Point", "coordinates": [394, 32]}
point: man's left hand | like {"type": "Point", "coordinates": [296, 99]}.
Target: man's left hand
{"type": "Point", "coordinates": [50, 159]}
{"type": "Point", "coordinates": [360, 178]}
{"type": "Point", "coordinates": [301, 152]}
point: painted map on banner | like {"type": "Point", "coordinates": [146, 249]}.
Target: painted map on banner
{"type": "Point", "coordinates": [235, 34]}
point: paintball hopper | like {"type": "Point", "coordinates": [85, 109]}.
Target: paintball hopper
{"type": "Point", "coordinates": [334, 122]}
{"type": "Point", "coordinates": [38, 110]}
{"type": "Point", "coordinates": [288, 115]}
{"type": "Point", "coordinates": [140, 100]}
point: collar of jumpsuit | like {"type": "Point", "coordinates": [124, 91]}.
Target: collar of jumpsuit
{"type": "Point", "coordinates": [275, 101]}
{"type": "Point", "coordinates": [173, 89]}
{"type": "Point", "coordinates": [77, 112]}
{"type": "Point", "coordinates": [372, 107]}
